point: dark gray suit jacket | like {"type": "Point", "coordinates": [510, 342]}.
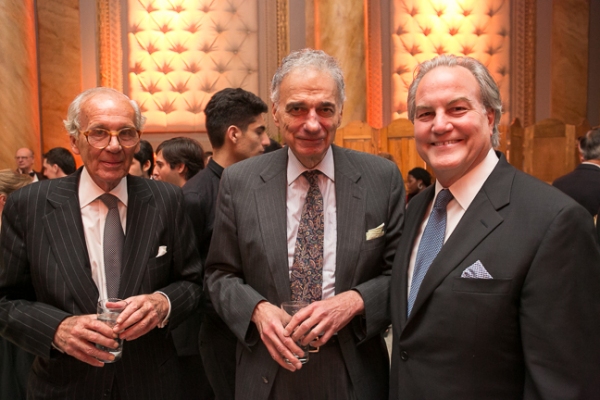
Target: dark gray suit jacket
{"type": "Point", "coordinates": [248, 262]}
{"type": "Point", "coordinates": [532, 331]}
{"type": "Point", "coordinates": [45, 276]}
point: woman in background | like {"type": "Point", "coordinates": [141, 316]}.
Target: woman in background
{"type": "Point", "coordinates": [418, 179]}
{"type": "Point", "coordinates": [15, 363]}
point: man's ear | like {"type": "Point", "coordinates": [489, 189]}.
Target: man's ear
{"type": "Point", "coordinates": [73, 142]}
{"type": "Point", "coordinates": [2, 200]}
{"type": "Point", "coordinates": [233, 133]}
{"type": "Point", "coordinates": [274, 114]}
{"type": "Point", "coordinates": [180, 168]}
{"type": "Point", "coordinates": [146, 166]}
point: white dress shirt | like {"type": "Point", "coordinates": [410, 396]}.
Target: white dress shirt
{"type": "Point", "coordinates": [93, 216]}
{"type": "Point", "coordinates": [296, 197]}
{"type": "Point", "coordinates": [464, 191]}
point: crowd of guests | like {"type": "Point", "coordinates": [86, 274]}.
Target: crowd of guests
{"type": "Point", "coordinates": [488, 276]}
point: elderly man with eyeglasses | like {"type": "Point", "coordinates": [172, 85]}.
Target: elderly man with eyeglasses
{"type": "Point", "coordinates": [98, 233]}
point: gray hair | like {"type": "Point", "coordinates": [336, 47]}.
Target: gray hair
{"type": "Point", "coordinates": [308, 58]}
{"type": "Point", "coordinates": [590, 145]}
{"type": "Point", "coordinates": [72, 122]}
{"type": "Point", "coordinates": [490, 94]}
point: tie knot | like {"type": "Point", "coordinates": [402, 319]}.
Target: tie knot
{"type": "Point", "coordinates": [443, 198]}
{"type": "Point", "coordinates": [110, 200]}
{"type": "Point", "coordinates": [311, 176]}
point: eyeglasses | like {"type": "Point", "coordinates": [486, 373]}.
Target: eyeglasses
{"type": "Point", "coordinates": [100, 138]}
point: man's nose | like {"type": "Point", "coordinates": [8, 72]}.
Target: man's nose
{"type": "Point", "coordinates": [114, 144]}
{"type": "Point", "coordinates": [441, 124]}
{"type": "Point", "coordinates": [264, 139]}
{"type": "Point", "coordinates": [312, 121]}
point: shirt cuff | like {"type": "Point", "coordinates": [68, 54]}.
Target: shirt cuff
{"type": "Point", "coordinates": [165, 321]}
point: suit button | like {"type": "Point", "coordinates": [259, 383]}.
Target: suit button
{"type": "Point", "coordinates": [403, 355]}
{"type": "Point", "coordinates": [265, 379]}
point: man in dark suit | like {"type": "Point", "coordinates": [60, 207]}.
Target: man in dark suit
{"type": "Point", "coordinates": [53, 267]}
{"type": "Point", "coordinates": [583, 184]}
{"type": "Point", "coordinates": [254, 249]}
{"type": "Point", "coordinates": [508, 308]}
{"type": "Point", "coordinates": [24, 159]}
{"type": "Point", "coordinates": [236, 129]}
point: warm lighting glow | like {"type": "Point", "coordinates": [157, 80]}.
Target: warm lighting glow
{"type": "Point", "coordinates": [424, 29]}
{"type": "Point", "coordinates": [182, 51]}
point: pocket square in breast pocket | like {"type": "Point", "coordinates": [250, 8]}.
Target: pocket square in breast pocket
{"type": "Point", "coordinates": [162, 250]}
{"type": "Point", "coordinates": [476, 271]}
{"type": "Point", "coordinates": [376, 232]}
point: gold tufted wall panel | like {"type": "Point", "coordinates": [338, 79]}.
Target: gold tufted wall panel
{"type": "Point", "coordinates": [423, 29]}
{"type": "Point", "coordinates": [183, 51]}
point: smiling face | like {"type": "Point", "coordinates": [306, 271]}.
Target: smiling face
{"type": "Point", "coordinates": [452, 128]}
{"type": "Point", "coordinates": [307, 113]}
{"type": "Point", "coordinates": [110, 111]}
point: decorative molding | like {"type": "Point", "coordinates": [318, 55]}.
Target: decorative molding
{"type": "Point", "coordinates": [373, 54]}
{"type": "Point", "coordinates": [283, 39]}
{"type": "Point", "coordinates": [110, 53]}
{"type": "Point", "coordinates": [522, 93]}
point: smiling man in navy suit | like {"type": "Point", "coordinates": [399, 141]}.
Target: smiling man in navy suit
{"type": "Point", "coordinates": [54, 267]}
{"type": "Point", "coordinates": [508, 308]}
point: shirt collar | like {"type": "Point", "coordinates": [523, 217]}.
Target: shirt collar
{"type": "Point", "coordinates": [591, 163]}
{"type": "Point", "coordinates": [295, 167]}
{"type": "Point", "coordinates": [89, 191]}
{"type": "Point", "coordinates": [466, 188]}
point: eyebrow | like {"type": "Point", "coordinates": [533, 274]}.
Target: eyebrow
{"type": "Point", "coordinates": [303, 104]}
{"type": "Point", "coordinates": [451, 102]}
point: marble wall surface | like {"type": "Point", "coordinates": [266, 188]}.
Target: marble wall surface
{"type": "Point", "coordinates": [59, 47]}
{"type": "Point", "coordinates": [569, 60]}
{"type": "Point", "coordinates": [19, 119]}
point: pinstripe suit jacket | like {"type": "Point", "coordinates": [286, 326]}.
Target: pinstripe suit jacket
{"type": "Point", "coordinates": [248, 262]}
{"type": "Point", "coordinates": [45, 276]}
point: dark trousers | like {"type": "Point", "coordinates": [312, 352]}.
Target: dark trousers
{"type": "Point", "coordinates": [15, 365]}
{"type": "Point", "coordinates": [323, 377]}
{"type": "Point", "coordinates": [218, 347]}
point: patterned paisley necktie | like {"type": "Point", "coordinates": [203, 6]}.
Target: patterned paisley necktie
{"type": "Point", "coordinates": [307, 270]}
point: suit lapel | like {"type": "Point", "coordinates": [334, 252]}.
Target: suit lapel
{"type": "Point", "coordinates": [272, 219]}
{"type": "Point", "coordinates": [64, 229]}
{"type": "Point", "coordinates": [142, 218]}
{"type": "Point", "coordinates": [479, 220]}
{"type": "Point", "coordinates": [350, 202]}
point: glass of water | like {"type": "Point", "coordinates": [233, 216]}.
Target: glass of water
{"type": "Point", "coordinates": [292, 307]}
{"type": "Point", "coordinates": [108, 312]}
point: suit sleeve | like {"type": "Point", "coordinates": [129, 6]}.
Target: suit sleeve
{"type": "Point", "coordinates": [23, 320]}
{"type": "Point", "coordinates": [376, 291]}
{"type": "Point", "coordinates": [233, 299]}
{"type": "Point", "coordinates": [560, 309]}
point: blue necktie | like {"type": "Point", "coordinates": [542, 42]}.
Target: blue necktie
{"type": "Point", "coordinates": [431, 243]}
{"type": "Point", "coordinates": [113, 245]}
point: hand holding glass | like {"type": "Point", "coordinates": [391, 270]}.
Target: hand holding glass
{"type": "Point", "coordinates": [108, 312]}
{"type": "Point", "coordinates": [292, 307]}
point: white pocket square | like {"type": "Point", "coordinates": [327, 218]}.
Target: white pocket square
{"type": "Point", "coordinates": [162, 250]}
{"type": "Point", "coordinates": [376, 232]}
{"type": "Point", "coordinates": [476, 271]}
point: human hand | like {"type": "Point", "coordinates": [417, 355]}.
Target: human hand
{"type": "Point", "coordinates": [142, 314]}
{"type": "Point", "coordinates": [270, 321]}
{"type": "Point", "coordinates": [78, 335]}
{"type": "Point", "coordinates": [318, 322]}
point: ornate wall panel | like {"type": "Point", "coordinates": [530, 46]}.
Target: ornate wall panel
{"type": "Point", "coordinates": [423, 29]}
{"type": "Point", "coordinates": [183, 51]}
